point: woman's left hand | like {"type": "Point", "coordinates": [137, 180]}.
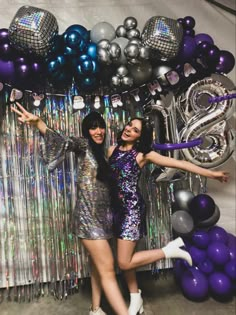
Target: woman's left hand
{"type": "Point", "coordinates": [221, 176]}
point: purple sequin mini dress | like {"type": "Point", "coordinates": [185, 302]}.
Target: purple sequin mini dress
{"type": "Point", "coordinates": [129, 216]}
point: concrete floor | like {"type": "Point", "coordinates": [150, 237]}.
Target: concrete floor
{"type": "Point", "coordinates": [161, 297]}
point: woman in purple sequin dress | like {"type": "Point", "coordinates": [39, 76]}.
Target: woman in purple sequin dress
{"type": "Point", "coordinates": [126, 160]}
{"type": "Point", "coordinates": [92, 216]}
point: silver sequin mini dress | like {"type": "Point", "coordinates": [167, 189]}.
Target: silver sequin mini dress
{"type": "Point", "coordinates": [92, 216]}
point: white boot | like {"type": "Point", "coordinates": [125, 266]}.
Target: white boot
{"type": "Point", "coordinates": [136, 303]}
{"type": "Point", "coordinates": [97, 311]}
{"type": "Point", "coordinates": [173, 250]}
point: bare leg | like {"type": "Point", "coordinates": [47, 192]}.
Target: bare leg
{"type": "Point", "coordinates": [102, 257]}
{"type": "Point", "coordinates": [96, 287]}
{"type": "Point", "coordinates": [131, 280]}
{"type": "Point", "coordinates": [128, 260]}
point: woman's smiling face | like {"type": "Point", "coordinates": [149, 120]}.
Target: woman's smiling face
{"type": "Point", "coordinates": [97, 134]}
{"type": "Point", "coordinates": [132, 131]}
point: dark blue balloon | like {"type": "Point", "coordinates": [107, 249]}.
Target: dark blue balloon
{"type": "Point", "coordinates": [200, 239]}
{"type": "Point", "coordinates": [72, 39]}
{"type": "Point", "coordinates": [194, 284]}
{"type": "Point", "coordinates": [92, 51]}
{"type": "Point", "coordinates": [220, 284]}
{"type": "Point", "coordinates": [218, 253]}
{"type": "Point", "coordinates": [187, 49]}
{"type": "Point", "coordinates": [217, 233]}
{"type": "Point", "coordinates": [84, 33]}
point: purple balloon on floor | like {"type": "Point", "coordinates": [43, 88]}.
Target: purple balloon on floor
{"type": "Point", "coordinates": [206, 266]}
{"type": "Point", "coordinates": [200, 239]}
{"type": "Point", "coordinates": [198, 255]}
{"type": "Point", "coordinates": [194, 284]}
{"type": "Point", "coordinates": [230, 269]}
{"type": "Point", "coordinates": [220, 284]}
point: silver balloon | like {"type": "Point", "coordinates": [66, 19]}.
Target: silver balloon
{"type": "Point", "coordinates": [122, 42]}
{"type": "Point", "coordinates": [159, 73]}
{"type": "Point", "coordinates": [131, 51]}
{"type": "Point", "coordinates": [122, 71]}
{"type": "Point", "coordinates": [104, 43]}
{"type": "Point", "coordinates": [115, 81]}
{"type": "Point", "coordinates": [144, 52]}
{"type": "Point", "coordinates": [209, 123]}
{"type": "Point", "coordinates": [104, 56]}
{"type": "Point", "coordinates": [130, 23]}
{"type": "Point", "coordinates": [121, 31]}
{"type": "Point", "coordinates": [134, 33]}
{"type": "Point", "coordinates": [136, 41]}
{"type": "Point", "coordinates": [183, 199]}
{"type": "Point", "coordinates": [115, 51]}
{"type": "Point", "coordinates": [32, 30]}
{"type": "Point", "coordinates": [141, 73]}
{"type": "Point", "coordinates": [164, 36]}
{"type": "Point", "coordinates": [182, 223]}
{"type": "Point", "coordinates": [102, 30]}
{"type": "Point", "coordinates": [127, 81]}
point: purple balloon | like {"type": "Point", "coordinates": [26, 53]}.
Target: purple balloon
{"type": "Point", "coordinates": [230, 269]}
{"type": "Point", "coordinates": [194, 284]}
{"type": "Point", "coordinates": [189, 32]}
{"type": "Point", "coordinates": [217, 233]}
{"type": "Point", "coordinates": [179, 268]}
{"type": "Point", "coordinates": [232, 252]}
{"type": "Point", "coordinates": [220, 284]}
{"type": "Point", "coordinates": [4, 36]}
{"type": "Point", "coordinates": [7, 71]}
{"type": "Point", "coordinates": [200, 239]}
{"type": "Point", "coordinates": [211, 221]}
{"type": "Point", "coordinates": [206, 266]}
{"type": "Point", "coordinates": [177, 146]}
{"type": "Point", "coordinates": [198, 255]}
{"type": "Point", "coordinates": [202, 207]}
{"type": "Point", "coordinates": [213, 55]}
{"type": "Point", "coordinates": [202, 37]}
{"type": "Point", "coordinates": [218, 253]}
{"type": "Point", "coordinates": [187, 49]}
{"type": "Point", "coordinates": [7, 52]}
{"type": "Point", "coordinates": [226, 62]}
{"type": "Point", "coordinates": [231, 240]}
{"type": "Point", "coordinates": [189, 22]}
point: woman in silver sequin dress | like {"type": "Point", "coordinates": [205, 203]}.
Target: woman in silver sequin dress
{"type": "Point", "coordinates": [92, 218]}
{"type": "Point", "coordinates": [126, 161]}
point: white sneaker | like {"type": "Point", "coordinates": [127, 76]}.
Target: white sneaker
{"type": "Point", "coordinates": [97, 311]}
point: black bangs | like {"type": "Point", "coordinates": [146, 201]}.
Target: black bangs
{"type": "Point", "coordinates": [92, 120]}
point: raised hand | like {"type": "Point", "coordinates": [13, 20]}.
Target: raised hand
{"type": "Point", "coordinates": [28, 118]}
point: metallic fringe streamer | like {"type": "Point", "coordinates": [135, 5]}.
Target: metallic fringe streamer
{"type": "Point", "coordinates": [38, 253]}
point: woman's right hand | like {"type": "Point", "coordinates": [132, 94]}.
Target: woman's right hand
{"type": "Point", "coordinates": [28, 118]}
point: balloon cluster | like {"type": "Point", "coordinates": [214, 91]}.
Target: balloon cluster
{"type": "Point", "coordinates": [105, 56]}
{"type": "Point", "coordinates": [213, 272]}
{"type": "Point", "coordinates": [191, 212]}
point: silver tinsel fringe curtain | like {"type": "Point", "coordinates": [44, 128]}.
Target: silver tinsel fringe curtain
{"type": "Point", "coordinates": [37, 248]}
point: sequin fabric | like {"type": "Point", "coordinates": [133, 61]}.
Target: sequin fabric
{"type": "Point", "coordinates": [129, 212]}
{"type": "Point", "coordinates": [92, 216]}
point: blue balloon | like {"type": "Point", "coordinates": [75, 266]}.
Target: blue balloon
{"type": "Point", "coordinates": [72, 39]}
{"type": "Point", "coordinates": [84, 33]}
{"type": "Point", "coordinates": [92, 51]}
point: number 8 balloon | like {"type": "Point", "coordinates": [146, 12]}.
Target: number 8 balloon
{"type": "Point", "coordinates": [209, 122]}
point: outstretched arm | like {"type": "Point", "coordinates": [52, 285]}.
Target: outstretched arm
{"type": "Point", "coordinates": [26, 117]}
{"type": "Point", "coordinates": [158, 159]}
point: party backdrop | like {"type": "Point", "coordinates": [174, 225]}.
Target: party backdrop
{"type": "Point", "coordinates": [166, 61]}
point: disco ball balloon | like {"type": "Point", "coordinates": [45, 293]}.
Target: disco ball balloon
{"type": "Point", "coordinates": [32, 30]}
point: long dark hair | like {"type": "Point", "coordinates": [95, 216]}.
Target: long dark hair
{"type": "Point", "coordinates": [145, 141]}
{"type": "Point", "coordinates": [94, 120]}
